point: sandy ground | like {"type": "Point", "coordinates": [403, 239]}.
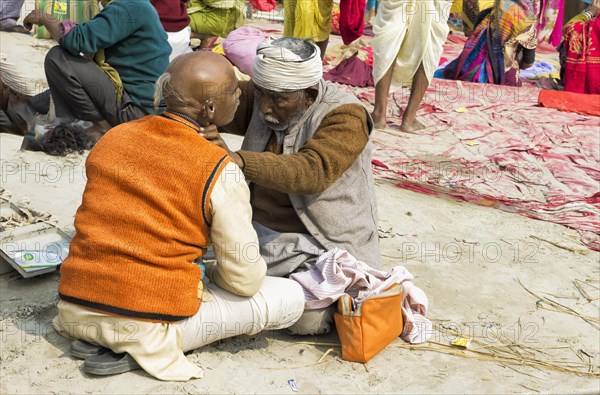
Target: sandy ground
{"type": "Point", "coordinates": [467, 259]}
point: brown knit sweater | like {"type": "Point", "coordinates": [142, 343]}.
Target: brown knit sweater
{"type": "Point", "coordinates": [335, 146]}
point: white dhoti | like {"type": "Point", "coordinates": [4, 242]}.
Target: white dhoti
{"type": "Point", "coordinates": [180, 42]}
{"type": "Point", "coordinates": [158, 347]}
{"type": "Point", "coordinates": [408, 32]}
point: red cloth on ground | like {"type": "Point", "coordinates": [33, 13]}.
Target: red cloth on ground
{"type": "Point", "coordinates": [582, 71]}
{"type": "Point", "coordinates": [351, 71]}
{"type": "Point", "coordinates": [571, 102]}
{"type": "Point", "coordinates": [173, 17]}
{"type": "Point", "coordinates": [352, 19]}
{"type": "Point", "coordinates": [369, 52]}
{"type": "Point", "coordinates": [263, 5]}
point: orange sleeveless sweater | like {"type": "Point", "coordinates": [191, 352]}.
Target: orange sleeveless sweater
{"type": "Point", "coordinates": [143, 219]}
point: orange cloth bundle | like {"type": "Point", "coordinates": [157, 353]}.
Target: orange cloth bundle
{"type": "Point", "coordinates": [370, 327]}
{"type": "Point", "coordinates": [580, 103]}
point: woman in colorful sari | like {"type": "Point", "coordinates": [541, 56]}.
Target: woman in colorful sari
{"type": "Point", "coordinates": [581, 45]}
{"type": "Point", "coordinates": [549, 13]}
{"type": "Point", "coordinates": [502, 42]}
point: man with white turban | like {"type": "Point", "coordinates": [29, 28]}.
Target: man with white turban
{"type": "Point", "coordinates": [307, 156]}
{"type": "Point", "coordinates": [409, 35]}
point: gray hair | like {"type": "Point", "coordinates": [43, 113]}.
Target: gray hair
{"type": "Point", "coordinates": [164, 89]}
{"type": "Point", "coordinates": [300, 47]}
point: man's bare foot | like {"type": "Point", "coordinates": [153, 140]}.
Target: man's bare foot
{"type": "Point", "coordinates": [379, 120]}
{"type": "Point", "coordinates": [412, 126]}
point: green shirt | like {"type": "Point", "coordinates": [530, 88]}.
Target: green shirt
{"type": "Point", "coordinates": [135, 44]}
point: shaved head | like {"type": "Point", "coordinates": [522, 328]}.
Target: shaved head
{"type": "Point", "coordinates": [197, 80]}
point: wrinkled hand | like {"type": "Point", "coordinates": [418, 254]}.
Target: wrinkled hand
{"type": "Point", "coordinates": [36, 17]}
{"type": "Point", "coordinates": [211, 133]}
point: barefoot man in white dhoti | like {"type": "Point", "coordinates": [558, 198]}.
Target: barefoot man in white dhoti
{"type": "Point", "coordinates": [409, 35]}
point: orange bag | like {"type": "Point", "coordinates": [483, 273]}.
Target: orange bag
{"type": "Point", "coordinates": [372, 326]}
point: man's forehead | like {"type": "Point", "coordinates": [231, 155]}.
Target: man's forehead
{"type": "Point", "coordinates": [274, 92]}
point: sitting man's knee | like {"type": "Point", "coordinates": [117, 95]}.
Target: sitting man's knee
{"type": "Point", "coordinates": [284, 301]}
{"type": "Point", "coordinates": [54, 58]}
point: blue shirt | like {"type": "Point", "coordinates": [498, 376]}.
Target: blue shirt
{"type": "Point", "coordinates": [134, 42]}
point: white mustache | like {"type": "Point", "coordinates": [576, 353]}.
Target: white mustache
{"type": "Point", "coordinates": [270, 119]}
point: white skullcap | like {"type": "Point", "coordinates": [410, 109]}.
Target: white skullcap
{"type": "Point", "coordinates": [279, 69]}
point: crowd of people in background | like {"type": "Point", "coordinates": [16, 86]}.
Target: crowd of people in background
{"type": "Point", "coordinates": [502, 36]}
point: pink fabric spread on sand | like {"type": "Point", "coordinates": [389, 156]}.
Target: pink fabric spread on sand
{"type": "Point", "coordinates": [487, 145]}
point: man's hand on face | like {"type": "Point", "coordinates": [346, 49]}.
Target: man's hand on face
{"type": "Point", "coordinates": [211, 133]}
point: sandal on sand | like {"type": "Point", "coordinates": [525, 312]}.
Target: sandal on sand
{"type": "Point", "coordinates": [10, 28]}
{"type": "Point", "coordinates": [110, 363]}
{"type": "Point", "coordinates": [82, 349]}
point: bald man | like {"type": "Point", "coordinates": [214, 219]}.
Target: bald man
{"type": "Point", "coordinates": [131, 292]}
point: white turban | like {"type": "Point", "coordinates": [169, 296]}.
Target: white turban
{"type": "Point", "coordinates": [279, 69]}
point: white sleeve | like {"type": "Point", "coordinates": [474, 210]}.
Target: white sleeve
{"type": "Point", "coordinates": [240, 268]}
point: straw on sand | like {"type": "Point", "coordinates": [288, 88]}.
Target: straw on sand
{"type": "Point", "coordinates": [505, 351]}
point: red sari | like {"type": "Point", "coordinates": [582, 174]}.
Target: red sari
{"type": "Point", "coordinates": [582, 71]}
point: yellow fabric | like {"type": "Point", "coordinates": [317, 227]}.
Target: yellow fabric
{"type": "Point", "coordinates": [308, 19]}
{"type": "Point", "coordinates": [458, 11]}
{"type": "Point", "coordinates": [219, 49]}
{"type": "Point", "coordinates": [100, 59]}
{"type": "Point", "coordinates": [216, 18]}
{"type": "Point", "coordinates": [457, 6]}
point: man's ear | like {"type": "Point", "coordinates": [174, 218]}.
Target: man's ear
{"type": "Point", "coordinates": [208, 109]}
{"type": "Point", "coordinates": [312, 93]}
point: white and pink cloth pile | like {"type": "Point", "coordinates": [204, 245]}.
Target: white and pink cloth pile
{"type": "Point", "coordinates": [337, 272]}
